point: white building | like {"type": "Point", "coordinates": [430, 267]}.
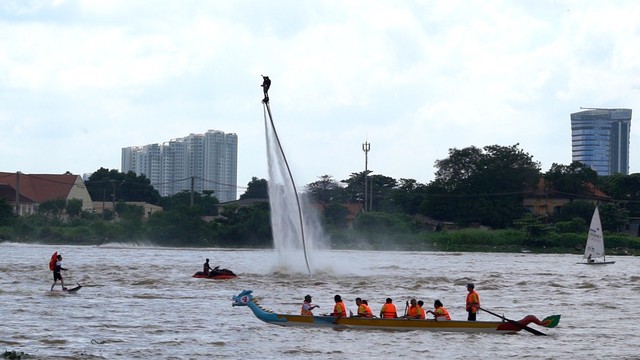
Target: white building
{"type": "Point", "coordinates": [208, 160]}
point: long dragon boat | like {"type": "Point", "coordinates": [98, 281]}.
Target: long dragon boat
{"type": "Point", "coordinates": [505, 326]}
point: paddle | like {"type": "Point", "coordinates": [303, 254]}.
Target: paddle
{"type": "Point", "coordinates": [513, 322]}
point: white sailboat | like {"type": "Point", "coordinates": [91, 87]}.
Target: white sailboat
{"type": "Point", "coordinates": [594, 250]}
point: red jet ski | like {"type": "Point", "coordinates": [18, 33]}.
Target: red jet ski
{"type": "Point", "coordinates": [216, 273]}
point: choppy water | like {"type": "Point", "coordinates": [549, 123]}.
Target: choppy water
{"type": "Point", "coordinates": [142, 303]}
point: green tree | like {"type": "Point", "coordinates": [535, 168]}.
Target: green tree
{"type": "Point", "coordinates": [256, 189]}
{"type": "Point", "coordinates": [52, 208]}
{"type": "Point", "coordinates": [624, 189]}
{"type": "Point", "coordinates": [326, 190]}
{"type": "Point", "coordinates": [379, 188]}
{"type": "Point", "coordinates": [613, 217]}
{"type": "Point", "coordinates": [481, 185]}
{"type": "Point", "coordinates": [246, 226]}
{"type": "Point", "coordinates": [112, 185]}
{"type": "Point", "coordinates": [575, 209]}
{"type": "Point", "coordinates": [6, 213]}
{"type": "Point", "coordinates": [533, 227]}
{"type": "Point", "coordinates": [406, 197]}
{"type": "Point", "coordinates": [73, 207]}
{"type": "Point", "coordinates": [206, 202]}
{"type": "Point", "coordinates": [571, 179]}
{"type": "Point", "coordinates": [336, 215]}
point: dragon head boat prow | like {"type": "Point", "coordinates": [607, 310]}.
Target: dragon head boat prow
{"type": "Point", "coordinates": [243, 299]}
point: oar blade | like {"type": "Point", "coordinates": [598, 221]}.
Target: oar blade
{"type": "Point", "coordinates": [551, 321]}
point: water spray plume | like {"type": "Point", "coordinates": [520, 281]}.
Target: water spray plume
{"type": "Point", "coordinates": [285, 214]}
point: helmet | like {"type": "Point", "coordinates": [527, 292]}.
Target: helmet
{"type": "Point", "coordinates": [307, 298]}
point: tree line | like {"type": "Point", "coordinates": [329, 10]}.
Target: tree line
{"type": "Point", "coordinates": [472, 186]}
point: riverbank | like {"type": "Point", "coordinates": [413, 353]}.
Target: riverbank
{"type": "Point", "coordinates": [464, 240]}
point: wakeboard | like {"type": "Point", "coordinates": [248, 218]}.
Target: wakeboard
{"type": "Point", "coordinates": [73, 289]}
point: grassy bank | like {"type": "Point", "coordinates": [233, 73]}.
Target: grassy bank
{"type": "Point", "coordinates": [464, 240]}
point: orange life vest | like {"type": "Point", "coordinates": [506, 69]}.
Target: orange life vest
{"type": "Point", "coordinates": [423, 314]}
{"type": "Point", "coordinates": [414, 311]}
{"type": "Point", "coordinates": [472, 297]}
{"type": "Point", "coordinates": [339, 308]}
{"type": "Point", "coordinates": [364, 311]}
{"type": "Point", "coordinates": [389, 311]}
{"type": "Point", "coordinates": [441, 311]}
{"type": "Point", "coordinates": [305, 312]}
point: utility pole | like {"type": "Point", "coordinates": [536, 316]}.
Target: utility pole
{"type": "Point", "coordinates": [191, 201]}
{"type": "Point", "coordinates": [113, 195]}
{"type": "Point", "coordinates": [365, 147]}
{"type": "Point", "coordinates": [17, 193]}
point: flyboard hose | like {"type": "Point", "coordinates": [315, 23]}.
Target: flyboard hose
{"type": "Point", "coordinates": [273, 127]}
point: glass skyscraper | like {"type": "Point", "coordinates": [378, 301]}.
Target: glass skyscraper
{"type": "Point", "coordinates": [600, 139]}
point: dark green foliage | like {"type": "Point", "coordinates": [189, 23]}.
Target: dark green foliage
{"type": "Point", "coordinates": [207, 203]}
{"type": "Point", "coordinates": [326, 190]}
{"type": "Point", "coordinates": [576, 225]}
{"type": "Point", "coordinates": [482, 186]}
{"type": "Point", "coordinates": [73, 207]}
{"type": "Point", "coordinates": [533, 227]}
{"type": "Point", "coordinates": [625, 189]}
{"type": "Point", "coordinates": [256, 189]}
{"type": "Point", "coordinates": [571, 179]}
{"type": "Point", "coordinates": [6, 213]}
{"type": "Point", "coordinates": [112, 185]}
{"type": "Point", "coordinates": [335, 215]}
{"type": "Point", "coordinates": [246, 226]}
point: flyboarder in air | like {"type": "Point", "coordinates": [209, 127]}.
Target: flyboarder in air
{"type": "Point", "coordinates": [266, 84]}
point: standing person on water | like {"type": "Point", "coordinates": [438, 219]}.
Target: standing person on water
{"type": "Point", "coordinates": [57, 275]}
{"type": "Point", "coordinates": [473, 302]}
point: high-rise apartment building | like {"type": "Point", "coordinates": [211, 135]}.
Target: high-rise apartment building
{"type": "Point", "coordinates": [210, 160]}
{"type": "Point", "coordinates": [600, 139]}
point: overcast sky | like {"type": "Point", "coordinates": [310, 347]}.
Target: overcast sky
{"type": "Point", "coordinates": [80, 80]}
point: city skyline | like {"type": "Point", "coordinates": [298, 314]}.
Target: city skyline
{"type": "Point", "coordinates": [203, 162]}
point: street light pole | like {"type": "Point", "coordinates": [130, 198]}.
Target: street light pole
{"type": "Point", "coordinates": [365, 147]}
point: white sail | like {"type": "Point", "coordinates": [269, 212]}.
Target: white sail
{"type": "Point", "coordinates": [595, 241]}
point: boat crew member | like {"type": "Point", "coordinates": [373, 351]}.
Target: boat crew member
{"type": "Point", "coordinates": [423, 314]}
{"type": "Point", "coordinates": [307, 306]}
{"type": "Point", "coordinates": [413, 312]}
{"type": "Point", "coordinates": [266, 84]}
{"type": "Point", "coordinates": [57, 275]}
{"type": "Point", "coordinates": [339, 310]}
{"type": "Point", "coordinates": [206, 268]}
{"type": "Point", "coordinates": [388, 310]}
{"type": "Point", "coordinates": [440, 312]}
{"type": "Point", "coordinates": [473, 302]}
{"type": "Point", "coordinates": [363, 309]}
{"type": "Point", "coordinates": [367, 312]}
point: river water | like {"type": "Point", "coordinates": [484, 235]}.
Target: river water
{"type": "Point", "coordinates": [142, 303]}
